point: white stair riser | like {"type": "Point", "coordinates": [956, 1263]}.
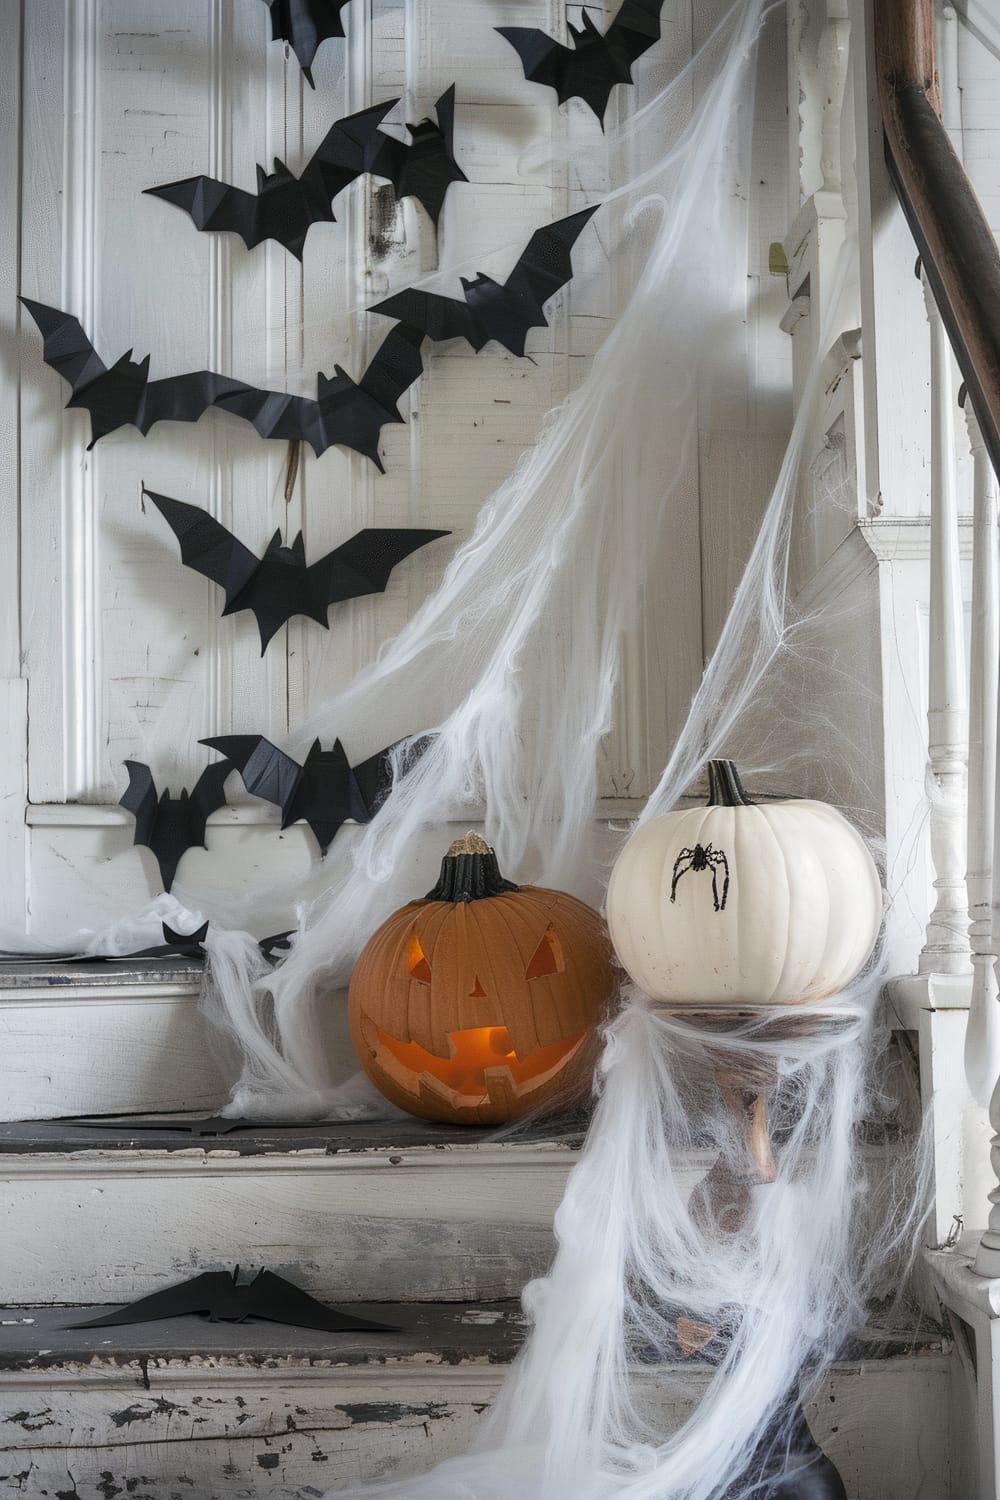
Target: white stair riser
{"type": "Point", "coordinates": [410, 1225]}
{"type": "Point", "coordinates": [233, 1434]}
{"type": "Point", "coordinates": [418, 1225]}
{"type": "Point", "coordinates": [74, 1050]}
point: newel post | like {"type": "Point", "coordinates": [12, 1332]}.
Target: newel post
{"type": "Point", "coordinates": [946, 948]}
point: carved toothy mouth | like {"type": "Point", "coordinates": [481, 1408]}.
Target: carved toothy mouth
{"type": "Point", "coordinates": [476, 1050]}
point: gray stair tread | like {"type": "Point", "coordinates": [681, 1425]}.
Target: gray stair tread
{"type": "Point", "coordinates": [450, 1333]}
{"type": "Point", "coordinates": [36, 974]}
{"type": "Point", "coordinates": [447, 1333]}
{"type": "Point", "coordinates": [255, 1138]}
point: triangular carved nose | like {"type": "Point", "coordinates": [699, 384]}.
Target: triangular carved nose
{"type": "Point", "coordinates": [477, 992]}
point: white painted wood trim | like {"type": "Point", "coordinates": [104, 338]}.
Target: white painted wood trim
{"type": "Point", "coordinates": [13, 690]}
{"type": "Point", "coordinates": [430, 1161]}
{"type": "Point", "coordinates": [100, 815]}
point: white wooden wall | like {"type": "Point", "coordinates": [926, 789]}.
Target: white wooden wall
{"type": "Point", "coordinates": [119, 650]}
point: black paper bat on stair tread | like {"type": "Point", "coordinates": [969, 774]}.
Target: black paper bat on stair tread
{"type": "Point", "coordinates": [597, 61]}
{"type": "Point", "coordinates": [221, 1297]}
{"type": "Point", "coordinates": [347, 412]}
{"type": "Point", "coordinates": [305, 25]}
{"type": "Point", "coordinates": [285, 207]}
{"type": "Point", "coordinates": [493, 311]}
{"type": "Point", "coordinates": [201, 1125]}
{"type": "Point", "coordinates": [324, 792]}
{"type": "Point", "coordinates": [174, 945]}
{"type": "Point", "coordinates": [169, 826]}
{"type": "Point", "coordinates": [281, 584]}
{"type": "Point", "coordinates": [123, 395]}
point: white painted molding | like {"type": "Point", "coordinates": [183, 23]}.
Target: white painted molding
{"type": "Point", "coordinates": [101, 815]}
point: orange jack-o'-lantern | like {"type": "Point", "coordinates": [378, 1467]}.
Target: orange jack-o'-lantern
{"type": "Point", "coordinates": [479, 1003]}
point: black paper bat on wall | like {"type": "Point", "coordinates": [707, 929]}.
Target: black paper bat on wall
{"type": "Point", "coordinates": [282, 584]}
{"type": "Point", "coordinates": [426, 167]}
{"type": "Point", "coordinates": [169, 826]}
{"type": "Point", "coordinates": [324, 792]}
{"type": "Point", "coordinates": [597, 61]}
{"type": "Point", "coordinates": [285, 207]}
{"type": "Point", "coordinates": [493, 311]}
{"type": "Point", "coordinates": [305, 25]}
{"type": "Point", "coordinates": [221, 1297]}
{"type": "Point", "coordinates": [124, 395]}
{"type": "Point", "coordinates": [347, 412]}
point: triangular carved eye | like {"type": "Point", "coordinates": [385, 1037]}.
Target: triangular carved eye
{"type": "Point", "coordinates": [419, 968]}
{"type": "Point", "coordinates": [547, 957]}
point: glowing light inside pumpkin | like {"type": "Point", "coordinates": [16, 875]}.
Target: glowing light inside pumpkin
{"type": "Point", "coordinates": [474, 1050]}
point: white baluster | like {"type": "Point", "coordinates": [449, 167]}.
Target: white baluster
{"type": "Point", "coordinates": [946, 949]}
{"type": "Point", "coordinates": [988, 1255]}
{"type": "Point", "coordinates": [982, 1037]}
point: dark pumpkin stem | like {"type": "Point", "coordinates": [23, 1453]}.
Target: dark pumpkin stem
{"type": "Point", "coordinates": [469, 872]}
{"type": "Point", "coordinates": [725, 789]}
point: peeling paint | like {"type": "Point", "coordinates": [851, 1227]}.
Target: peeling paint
{"type": "Point", "coordinates": [131, 1414]}
{"type": "Point", "coordinates": [394, 1411]}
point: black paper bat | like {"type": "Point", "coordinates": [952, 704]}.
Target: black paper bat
{"type": "Point", "coordinates": [324, 792]}
{"type": "Point", "coordinates": [207, 1125]}
{"type": "Point", "coordinates": [219, 1296]}
{"type": "Point", "coordinates": [492, 311]}
{"type": "Point", "coordinates": [281, 583]}
{"type": "Point", "coordinates": [285, 207]}
{"type": "Point", "coordinates": [124, 395]}
{"type": "Point", "coordinates": [346, 412]}
{"type": "Point", "coordinates": [591, 68]}
{"type": "Point", "coordinates": [426, 167]}
{"type": "Point", "coordinates": [174, 945]}
{"type": "Point", "coordinates": [305, 25]}
{"type": "Point", "coordinates": [169, 826]}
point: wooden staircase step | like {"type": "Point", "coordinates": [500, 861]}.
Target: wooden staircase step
{"type": "Point", "coordinates": [230, 1411]}
{"type": "Point", "coordinates": [391, 1212]}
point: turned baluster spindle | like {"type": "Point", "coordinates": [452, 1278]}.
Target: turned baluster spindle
{"type": "Point", "coordinates": [988, 1256]}
{"type": "Point", "coordinates": [946, 948]}
{"type": "Point", "coordinates": [982, 1039]}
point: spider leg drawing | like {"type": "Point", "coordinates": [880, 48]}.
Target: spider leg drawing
{"type": "Point", "coordinates": [703, 857]}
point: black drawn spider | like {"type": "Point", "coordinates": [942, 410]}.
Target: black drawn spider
{"type": "Point", "coordinates": [703, 857]}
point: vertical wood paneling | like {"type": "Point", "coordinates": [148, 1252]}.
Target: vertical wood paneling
{"type": "Point", "coordinates": [13, 694]}
{"type": "Point", "coordinates": [81, 658]}
{"type": "Point", "coordinates": [127, 653]}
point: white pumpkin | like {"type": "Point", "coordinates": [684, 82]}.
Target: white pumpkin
{"type": "Point", "coordinates": [743, 903]}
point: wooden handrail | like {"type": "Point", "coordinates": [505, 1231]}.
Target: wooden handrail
{"type": "Point", "coordinates": [956, 244]}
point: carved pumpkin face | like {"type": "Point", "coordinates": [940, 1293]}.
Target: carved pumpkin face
{"type": "Point", "coordinates": [478, 1003]}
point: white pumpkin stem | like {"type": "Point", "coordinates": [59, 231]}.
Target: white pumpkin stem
{"type": "Point", "coordinates": [725, 789]}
